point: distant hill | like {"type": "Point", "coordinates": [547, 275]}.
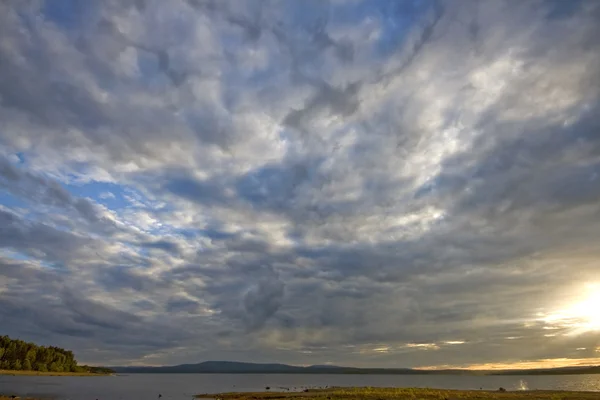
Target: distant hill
{"type": "Point", "coordinates": [323, 366]}
{"type": "Point", "coordinates": [232, 367]}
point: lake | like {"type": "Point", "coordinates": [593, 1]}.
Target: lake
{"type": "Point", "coordinates": [183, 386]}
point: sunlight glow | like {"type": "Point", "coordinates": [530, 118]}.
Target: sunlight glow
{"type": "Point", "coordinates": [529, 364]}
{"type": "Point", "coordinates": [583, 316]}
{"type": "Point", "coordinates": [589, 311]}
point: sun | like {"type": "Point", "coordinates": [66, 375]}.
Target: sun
{"type": "Point", "coordinates": [588, 311]}
{"type": "Point", "coordinates": [581, 316]}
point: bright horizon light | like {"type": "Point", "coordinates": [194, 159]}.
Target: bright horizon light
{"type": "Point", "coordinates": [526, 364]}
{"type": "Point", "coordinates": [589, 311]}
{"type": "Point", "coordinates": [583, 316]}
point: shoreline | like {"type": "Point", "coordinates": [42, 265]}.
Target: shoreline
{"type": "Point", "coordinates": [39, 373]}
{"type": "Point", "coordinates": [375, 393]}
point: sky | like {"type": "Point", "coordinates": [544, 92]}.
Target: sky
{"type": "Point", "coordinates": [373, 183]}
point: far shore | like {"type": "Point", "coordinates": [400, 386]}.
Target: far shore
{"type": "Point", "coordinates": [374, 393]}
{"type": "Point", "coordinates": [39, 373]}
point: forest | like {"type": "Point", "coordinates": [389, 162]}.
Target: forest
{"type": "Point", "coordinates": [18, 355]}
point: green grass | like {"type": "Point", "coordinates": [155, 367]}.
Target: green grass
{"type": "Point", "coordinates": [371, 393]}
{"type": "Point", "coordinates": [20, 398]}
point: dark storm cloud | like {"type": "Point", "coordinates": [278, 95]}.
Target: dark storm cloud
{"type": "Point", "coordinates": [55, 307]}
{"type": "Point", "coordinates": [182, 305]}
{"type": "Point", "coordinates": [336, 101]}
{"type": "Point", "coordinates": [203, 192]}
{"type": "Point", "coordinates": [62, 103]}
{"type": "Point", "coordinates": [527, 174]}
{"type": "Point", "coordinates": [263, 300]}
{"type": "Point", "coordinates": [357, 182]}
{"type": "Point", "coordinates": [118, 277]}
{"type": "Point", "coordinates": [53, 313]}
{"type": "Point", "coordinates": [91, 313]}
{"type": "Point", "coordinates": [165, 245]}
{"type": "Point", "coordinates": [39, 240]}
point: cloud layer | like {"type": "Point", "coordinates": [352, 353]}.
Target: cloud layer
{"type": "Point", "coordinates": [364, 183]}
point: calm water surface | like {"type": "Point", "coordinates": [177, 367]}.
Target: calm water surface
{"type": "Point", "coordinates": [183, 386]}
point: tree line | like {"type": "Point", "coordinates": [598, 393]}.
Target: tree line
{"type": "Point", "coordinates": [18, 355]}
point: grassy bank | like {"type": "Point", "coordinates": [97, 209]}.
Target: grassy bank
{"type": "Point", "coordinates": [38, 373]}
{"type": "Point", "coordinates": [11, 398]}
{"type": "Point", "coordinates": [404, 394]}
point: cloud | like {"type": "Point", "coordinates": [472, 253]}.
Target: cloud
{"type": "Point", "coordinates": [107, 195]}
{"type": "Point", "coordinates": [39, 240]}
{"type": "Point", "coordinates": [262, 301]}
{"type": "Point", "coordinates": [47, 191]}
{"type": "Point", "coordinates": [165, 245]}
{"type": "Point", "coordinates": [370, 184]}
{"type": "Point", "coordinates": [175, 305]}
